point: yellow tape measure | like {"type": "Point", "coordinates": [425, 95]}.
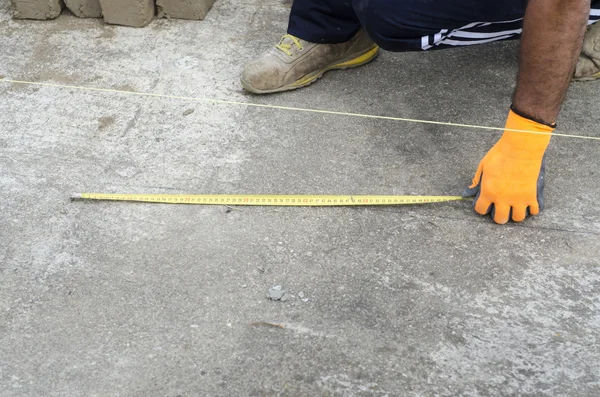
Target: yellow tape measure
{"type": "Point", "coordinates": [267, 200]}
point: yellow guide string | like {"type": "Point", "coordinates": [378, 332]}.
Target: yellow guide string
{"type": "Point", "coordinates": [296, 109]}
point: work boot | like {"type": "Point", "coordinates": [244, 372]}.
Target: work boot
{"type": "Point", "coordinates": [295, 63]}
{"type": "Point", "coordinates": [588, 66]}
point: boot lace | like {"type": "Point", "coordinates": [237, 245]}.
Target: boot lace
{"type": "Point", "coordinates": [286, 45]}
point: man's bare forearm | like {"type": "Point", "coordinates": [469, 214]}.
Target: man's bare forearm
{"type": "Point", "coordinates": [553, 33]}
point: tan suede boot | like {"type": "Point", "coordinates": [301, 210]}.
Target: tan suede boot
{"type": "Point", "coordinates": [588, 66]}
{"type": "Point", "coordinates": [295, 63]}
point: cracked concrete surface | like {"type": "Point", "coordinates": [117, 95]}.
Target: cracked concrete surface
{"type": "Point", "coordinates": [156, 300]}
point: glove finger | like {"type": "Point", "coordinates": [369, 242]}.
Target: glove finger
{"type": "Point", "coordinates": [501, 213]}
{"type": "Point", "coordinates": [482, 205]}
{"type": "Point", "coordinates": [534, 209]}
{"type": "Point", "coordinates": [478, 175]}
{"type": "Point", "coordinates": [471, 191]}
{"type": "Point", "coordinates": [519, 214]}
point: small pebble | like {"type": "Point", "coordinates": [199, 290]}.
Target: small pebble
{"type": "Point", "coordinates": [286, 297]}
{"type": "Point", "coordinates": [276, 293]}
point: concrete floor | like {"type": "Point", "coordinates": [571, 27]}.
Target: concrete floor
{"type": "Point", "coordinates": [106, 299]}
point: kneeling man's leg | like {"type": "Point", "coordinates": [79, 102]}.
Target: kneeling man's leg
{"type": "Point", "coordinates": [412, 25]}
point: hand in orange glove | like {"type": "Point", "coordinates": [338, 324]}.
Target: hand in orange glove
{"type": "Point", "coordinates": [510, 179]}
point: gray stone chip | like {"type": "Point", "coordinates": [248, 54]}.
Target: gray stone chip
{"type": "Point", "coordinates": [276, 293]}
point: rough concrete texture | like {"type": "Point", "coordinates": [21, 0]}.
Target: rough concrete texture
{"type": "Point", "coordinates": [125, 299]}
{"type": "Point", "coordinates": [184, 9]}
{"type": "Point", "coordinates": [36, 9]}
{"type": "Point", "coordinates": [136, 13]}
{"type": "Point", "coordinates": [85, 8]}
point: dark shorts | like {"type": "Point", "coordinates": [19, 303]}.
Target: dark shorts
{"type": "Point", "coordinates": [412, 25]}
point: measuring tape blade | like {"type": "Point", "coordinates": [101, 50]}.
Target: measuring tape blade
{"type": "Point", "coordinates": [267, 200]}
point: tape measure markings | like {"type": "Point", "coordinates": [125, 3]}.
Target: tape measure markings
{"type": "Point", "coordinates": [267, 200]}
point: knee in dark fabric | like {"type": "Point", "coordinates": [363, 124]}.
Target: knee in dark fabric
{"type": "Point", "coordinates": [388, 23]}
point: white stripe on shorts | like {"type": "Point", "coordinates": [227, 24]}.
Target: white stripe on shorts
{"type": "Point", "coordinates": [468, 34]}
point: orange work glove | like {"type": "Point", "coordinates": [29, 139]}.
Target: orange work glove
{"type": "Point", "coordinates": [510, 179]}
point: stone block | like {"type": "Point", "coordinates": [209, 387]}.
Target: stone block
{"type": "Point", "coordinates": [36, 9]}
{"type": "Point", "coordinates": [184, 9]}
{"type": "Point", "coordinates": [85, 8]}
{"type": "Point", "coordinates": [135, 13]}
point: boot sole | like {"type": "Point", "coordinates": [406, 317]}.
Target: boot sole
{"type": "Point", "coordinates": [310, 78]}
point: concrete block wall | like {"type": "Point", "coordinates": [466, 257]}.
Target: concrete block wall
{"type": "Point", "coordinates": [36, 9]}
{"type": "Point", "coordinates": [128, 12]}
{"type": "Point", "coordinates": [135, 13]}
{"type": "Point", "coordinates": [85, 8]}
